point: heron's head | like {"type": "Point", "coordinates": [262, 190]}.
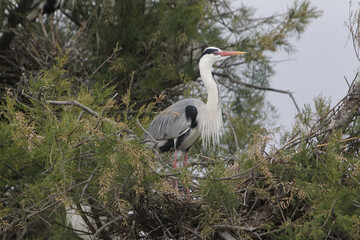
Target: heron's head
{"type": "Point", "coordinates": [213, 54]}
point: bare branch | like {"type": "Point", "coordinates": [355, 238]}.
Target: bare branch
{"type": "Point", "coordinates": [226, 235]}
{"type": "Point", "coordinates": [116, 50]}
{"type": "Point", "coordinates": [105, 225]}
{"type": "Point", "coordinates": [151, 139]}
{"type": "Point", "coordinates": [77, 104]}
{"type": "Point", "coordinates": [234, 228]}
{"type": "Point", "coordinates": [234, 134]}
{"type": "Point", "coordinates": [351, 105]}
{"type": "Point", "coordinates": [259, 87]}
{"type": "Point", "coordinates": [337, 117]}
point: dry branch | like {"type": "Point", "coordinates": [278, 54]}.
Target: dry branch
{"type": "Point", "coordinates": [77, 104]}
{"type": "Point", "coordinates": [237, 81]}
{"type": "Point", "coordinates": [350, 107]}
{"type": "Point", "coordinates": [341, 115]}
{"type": "Point", "coordinates": [116, 50]}
{"type": "Point", "coordinates": [226, 235]}
{"type": "Point", "coordinates": [106, 225]}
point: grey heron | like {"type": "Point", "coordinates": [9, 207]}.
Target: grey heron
{"type": "Point", "coordinates": [178, 126]}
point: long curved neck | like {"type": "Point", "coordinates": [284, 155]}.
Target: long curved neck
{"type": "Point", "coordinates": [210, 117]}
{"type": "Point", "coordinates": [210, 84]}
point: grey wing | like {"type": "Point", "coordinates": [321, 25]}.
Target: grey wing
{"type": "Point", "coordinates": [172, 122]}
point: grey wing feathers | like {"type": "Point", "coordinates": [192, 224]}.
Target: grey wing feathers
{"type": "Point", "coordinates": [172, 121]}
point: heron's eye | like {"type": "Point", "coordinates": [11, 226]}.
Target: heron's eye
{"type": "Point", "coordinates": [216, 53]}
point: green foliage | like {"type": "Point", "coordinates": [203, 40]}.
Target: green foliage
{"type": "Point", "coordinates": [59, 155]}
{"type": "Point", "coordinates": [49, 151]}
{"type": "Point", "coordinates": [72, 138]}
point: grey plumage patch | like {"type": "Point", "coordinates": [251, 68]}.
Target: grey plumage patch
{"type": "Point", "coordinates": [171, 122]}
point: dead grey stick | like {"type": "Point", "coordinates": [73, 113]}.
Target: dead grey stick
{"type": "Point", "coordinates": [234, 80]}
{"type": "Point", "coordinates": [226, 235]}
{"type": "Point", "coordinates": [77, 104]}
{"type": "Point", "coordinates": [350, 108]}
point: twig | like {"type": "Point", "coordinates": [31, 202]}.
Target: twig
{"type": "Point", "coordinates": [72, 229]}
{"type": "Point", "coordinates": [105, 225]}
{"type": "Point", "coordinates": [252, 206]}
{"type": "Point", "coordinates": [12, 169]}
{"type": "Point", "coordinates": [73, 103]}
{"type": "Point", "coordinates": [341, 141]}
{"type": "Point", "coordinates": [146, 132]}
{"type": "Point", "coordinates": [82, 214]}
{"type": "Point", "coordinates": [41, 20]}
{"type": "Point", "coordinates": [116, 50]}
{"type": "Point", "coordinates": [234, 177]}
{"type": "Point", "coordinates": [161, 223]}
{"type": "Point", "coordinates": [80, 114]}
{"type": "Point", "coordinates": [268, 233]}
{"type": "Point", "coordinates": [237, 176]}
{"type": "Point", "coordinates": [45, 221]}
{"type": "Point", "coordinates": [330, 212]}
{"type": "Point", "coordinates": [226, 235]}
{"type": "Point", "coordinates": [77, 104]}
{"type": "Point", "coordinates": [347, 82]}
{"type": "Point", "coordinates": [28, 96]}
{"type": "Point", "coordinates": [152, 140]}
{"type": "Point", "coordinates": [235, 228]}
{"type": "Point", "coordinates": [233, 131]}
{"type": "Point", "coordinates": [88, 181]}
{"type": "Point", "coordinates": [349, 108]}
{"type": "Point", "coordinates": [104, 108]}
{"type": "Point", "coordinates": [260, 88]}
{"type": "Point", "coordinates": [50, 198]}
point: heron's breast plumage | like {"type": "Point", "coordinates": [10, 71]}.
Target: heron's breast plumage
{"type": "Point", "coordinates": [210, 125]}
{"type": "Point", "coordinates": [188, 139]}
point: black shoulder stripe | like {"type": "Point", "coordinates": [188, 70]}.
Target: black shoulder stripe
{"type": "Point", "coordinates": [191, 114]}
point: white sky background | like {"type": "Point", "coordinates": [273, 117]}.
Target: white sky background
{"type": "Point", "coordinates": [324, 56]}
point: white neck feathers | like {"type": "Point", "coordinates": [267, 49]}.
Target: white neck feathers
{"type": "Point", "coordinates": [210, 117]}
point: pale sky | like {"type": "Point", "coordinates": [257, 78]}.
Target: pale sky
{"type": "Point", "coordinates": [323, 58]}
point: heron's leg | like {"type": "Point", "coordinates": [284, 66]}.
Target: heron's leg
{"type": "Point", "coordinates": [174, 166]}
{"type": "Point", "coordinates": [185, 165]}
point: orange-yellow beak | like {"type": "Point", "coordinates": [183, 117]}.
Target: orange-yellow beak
{"type": "Point", "coordinates": [230, 53]}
